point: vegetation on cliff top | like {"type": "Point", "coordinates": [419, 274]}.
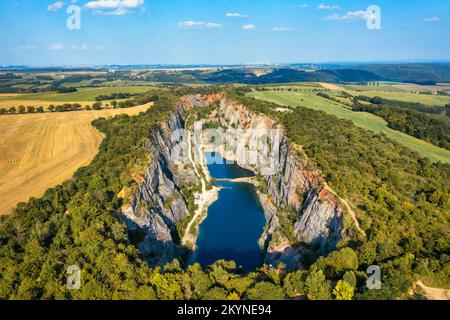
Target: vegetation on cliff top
{"type": "Point", "coordinates": [402, 202]}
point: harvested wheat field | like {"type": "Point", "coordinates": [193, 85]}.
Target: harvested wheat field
{"type": "Point", "coordinates": [39, 151]}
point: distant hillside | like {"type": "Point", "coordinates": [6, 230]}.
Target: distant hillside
{"type": "Point", "coordinates": [412, 73]}
{"type": "Point", "coordinates": [290, 75]}
{"type": "Point", "coordinates": [419, 73]}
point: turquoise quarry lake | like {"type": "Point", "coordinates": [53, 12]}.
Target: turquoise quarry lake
{"type": "Point", "coordinates": [234, 223]}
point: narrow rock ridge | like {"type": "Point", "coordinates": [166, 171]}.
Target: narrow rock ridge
{"type": "Point", "coordinates": [158, 204]}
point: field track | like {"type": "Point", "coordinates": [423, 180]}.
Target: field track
{"type": "Point", "coordinates": [38, 151]}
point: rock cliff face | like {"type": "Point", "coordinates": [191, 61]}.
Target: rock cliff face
{"type": "Point", "coordinates": [294, 186]}
{"type": "Point", "coordinates": [158, 204]}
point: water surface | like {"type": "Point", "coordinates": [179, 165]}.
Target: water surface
{"type": "Point", "coordinates": [234, 223]}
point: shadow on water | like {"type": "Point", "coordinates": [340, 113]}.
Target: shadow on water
{"type": "Point", "coordinates": [220, 168]}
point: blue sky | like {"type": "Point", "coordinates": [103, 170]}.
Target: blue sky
{"type": "Point", "coordinates": [34, 32]}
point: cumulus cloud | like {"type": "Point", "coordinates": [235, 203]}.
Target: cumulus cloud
{"type": "Point", "coordinates": [350, 16]}
{"type": "Point", "coordinates": [114, 7]}
{"type": "Point", "coordinates": [115, 12]}
{"type": "Point", "coordinates": [249, 27]}
{"type": "Point", "coordinates": [190, 24]}
{"type": "Point", "coordinates": [298, 6]}
{"type": "Point", "coordinates": [236, 15]}
{"type": "Point", "coordinates": [327, 7]}
{"type": "Point", "coordinates": [432, 19]}
{"type": "Point", "coordinates": [56, 6]}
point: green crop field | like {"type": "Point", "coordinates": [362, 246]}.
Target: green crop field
{"type": "Point", "coordinates": [83, 94]}
{"type": "Point", "coordinates": [297, 85]}
{"type": "Point", "coordinates": [432, 100]}
{"type": "Point", "coordinates": [361, 119]}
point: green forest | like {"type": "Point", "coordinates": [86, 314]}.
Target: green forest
{"type": "Point", "coordinates": [402, 202]}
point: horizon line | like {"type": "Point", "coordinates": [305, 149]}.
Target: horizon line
{"type": "Point", "coordinates": [412, 61]}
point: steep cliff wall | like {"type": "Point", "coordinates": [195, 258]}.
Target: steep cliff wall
{"type": "Point", "coordinates": [295, 186]}
{"type": "Point", "coordinates": [158, 204]}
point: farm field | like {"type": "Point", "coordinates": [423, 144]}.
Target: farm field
{"type": "Point", "coordinates": [400, 92]}
{"type": "Point", "coordinates": [361, 119]}
{"type": "Point", "coordinates": [427, 99]}
{"type": "Point", "coordinates": [83, 94]}
{"type": "Point", "coordinates": [298, 85]}
{"type": "Point", "coordinates": [400, 87]}
{"type": "Point", "coordinates": [39, 151]}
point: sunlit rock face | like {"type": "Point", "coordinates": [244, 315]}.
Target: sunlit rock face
{"type": "Point", "coordinates": [295, 186]}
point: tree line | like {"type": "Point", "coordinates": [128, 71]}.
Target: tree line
{"type": "Point", "coordinates": [431, 124]}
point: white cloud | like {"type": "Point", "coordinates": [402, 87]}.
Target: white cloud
{"type": "Point", "coordinates": [236, 15]}
{"type": "Point", "coordinates": [56, 6]}
{"type": "Point", "coordinates": [190, 24]}
{"type": "Point", "coordinates": [115, 12]}
{"type": "Point", "coordinates": [298, 6]}
{"type": "Point", "coordinates": [56, 46]}
{"type": "Point", "coordinates": [282, 29]}
{"type": "Point", "coordinates": [83, 47]}
{"type": "Point", "coordinates": [114, 4]}
{"type": "Point", "coordinates": [327, 7]}
{"type": "Point", "coordinates": [350, 16]}
{"type": "Point", "coordinates": [249, 27]}
{"type": "Point", "coordinates": [114, 7]}
{"type": "Point", "coordinates": [432, 19]}
{"type": "Point", "coordinates": [213, 25]}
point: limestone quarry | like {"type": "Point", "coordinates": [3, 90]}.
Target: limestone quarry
{"type": "Point", "coordinates": [160, 201]}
